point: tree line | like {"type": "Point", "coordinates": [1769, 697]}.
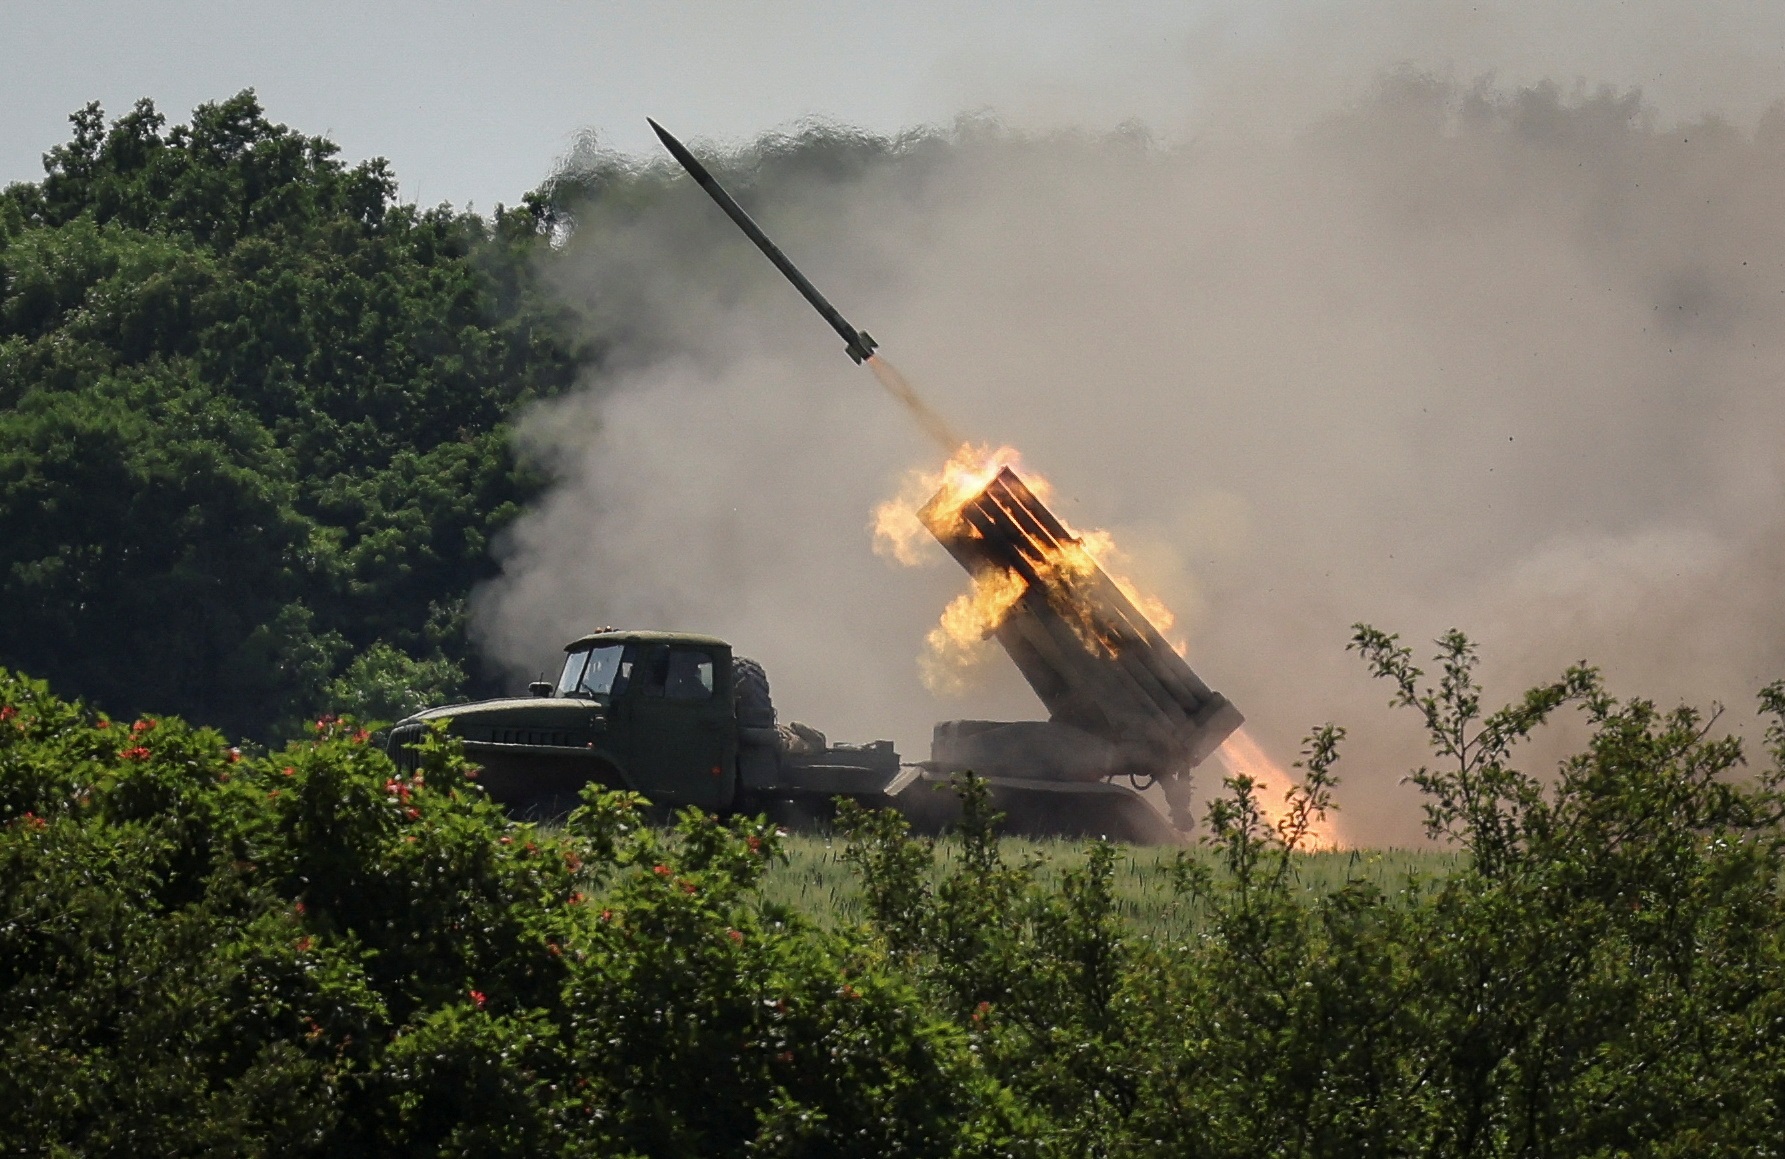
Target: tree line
{"type": "Point", "coordinates": [253, 419]}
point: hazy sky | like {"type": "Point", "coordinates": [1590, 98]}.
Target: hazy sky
{"type": "Point", "coordinates": [472, 102]}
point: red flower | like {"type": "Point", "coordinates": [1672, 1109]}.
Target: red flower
{"type": "Point", "coordinates": [660, 870]}
{"type": "Point", "coordinates": [479, 998]}
{"type": "Point", "coordinates": [754, 842]}
{"type": "Point", "coordinates": [35, 821]}
{"type": "Point", "coordinates": [141, 727]}
{"type": "Point", "coordinates": [687, 886]}
{"type": "Point", "coordinates": [572, 862]}
{"type": "Point", "coordinates": [552, 949]}
{"type": "Point", "coordinates": [412, 812]}
{"type": "Point", "coordinates": [577, 899]}
{"type": "Point", "coordinates": [298, 906]}
{"type": "Point", "coordinates": [5, 714]}
{"type": "Point", "coordinates": [980, 1011]}
{"type": "Point", "coordinates": [135, 753]}
{"type": "Point", "coordinates": [607, 915]}
{"type": "Point", "coordinates": [303, 944]}
{"type": "Point", "coordinates": [360, 735]}
{"type": "Point", "coordinates": [235, 755]}
{"type": "Point", "coordinates": [736, 937]}
{"type": "Point", "coordinates": [289, 771]}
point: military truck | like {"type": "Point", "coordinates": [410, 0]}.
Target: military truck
{"type": "Point", "coordinates": [683, 721]}
{"type": "Point", "coordinates": [680, 719]}
{"type": "Point", "coordinates": [671, 715]}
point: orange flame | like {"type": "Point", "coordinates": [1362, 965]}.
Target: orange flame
{"type": "Point", "coordinates": [900, 535]}
{"type": "Point", "coordinates": [955, 644]}
{"type": "Point", "coordinates": [1243, 756]}
{"type": "Point", "coordinates": [1099, 549]}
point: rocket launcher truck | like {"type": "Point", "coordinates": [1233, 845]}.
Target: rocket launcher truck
{"type": "Point", "coordinates": [680, 719]}
{"type": "Point", "coordinates": [1122, 704]}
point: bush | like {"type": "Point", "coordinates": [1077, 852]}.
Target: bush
{"type": "Point", "coordinates": [1602, 977]}
{"type": "Point", "coordinates": [308, 952]}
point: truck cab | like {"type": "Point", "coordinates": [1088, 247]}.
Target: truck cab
{"type": "Point", "coordinates": [646, 711]}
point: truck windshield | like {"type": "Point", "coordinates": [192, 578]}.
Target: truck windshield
{"type": "Point", "coordinates": [590, 671]}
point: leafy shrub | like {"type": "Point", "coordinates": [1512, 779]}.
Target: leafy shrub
{"type": "Point", "coordinates": [1601, 976]}
{"type": "Point", "coordinates": [308, 952]}
{"type": "Point", "coordinates": [383, 683]}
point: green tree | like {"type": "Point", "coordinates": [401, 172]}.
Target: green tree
{"type": "Point", "coordinates": [253, 416]}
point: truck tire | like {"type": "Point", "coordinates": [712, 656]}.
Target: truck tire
{"type": "Point", "coordinates": [759, 750]}
{"type": "Point", "coordinates": [750, 694]}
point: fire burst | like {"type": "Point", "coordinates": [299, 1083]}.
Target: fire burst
{"type": "Point", "coordinates": [1242, 756]}
{"type": "Point", "coordinates": [956, 644]}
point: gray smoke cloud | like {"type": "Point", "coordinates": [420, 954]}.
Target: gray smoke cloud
{"type": "Point", "coordinates": [1499, 357]}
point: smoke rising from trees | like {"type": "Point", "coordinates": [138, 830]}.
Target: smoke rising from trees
{"type": "Point", "coordinates": [1504, 358]}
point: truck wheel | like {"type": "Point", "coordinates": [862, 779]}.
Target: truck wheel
{"type": "Point", "coordinates": [750, 694]}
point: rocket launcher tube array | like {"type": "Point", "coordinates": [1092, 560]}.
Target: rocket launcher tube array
{"type": "Point", "coordinates": [1093, 658]}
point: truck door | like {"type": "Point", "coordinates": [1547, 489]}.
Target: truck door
{"type": "Point", "coordinates": [679, 728]}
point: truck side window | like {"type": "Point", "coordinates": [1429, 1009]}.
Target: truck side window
{"type": "Point", "coordinates": [628, 669]}
{"type": "Point", "coordinates": [652, 671]}
{"type": "Point", "coordinates": [690, 675]}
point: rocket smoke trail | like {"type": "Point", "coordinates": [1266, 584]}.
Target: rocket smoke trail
{"type": "Point", "coordinates": [933, 424]}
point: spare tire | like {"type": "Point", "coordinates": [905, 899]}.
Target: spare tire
{"type": "Point", "coordinates": [750, 701]}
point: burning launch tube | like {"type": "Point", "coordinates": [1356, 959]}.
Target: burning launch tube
{"type": "Point", "coordinates": [1095, 660]}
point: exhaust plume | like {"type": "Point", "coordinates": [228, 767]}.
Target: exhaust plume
{"type": "Point", "coordinates": [931, 423]}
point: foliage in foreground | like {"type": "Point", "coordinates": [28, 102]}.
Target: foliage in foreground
{"type": "Point", "coordinates": [308, 953]}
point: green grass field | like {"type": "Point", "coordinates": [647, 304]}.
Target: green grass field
{"type": "Point", "coordinates": [818, 883]}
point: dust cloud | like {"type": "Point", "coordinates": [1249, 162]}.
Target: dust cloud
{"type": "Point", "coordinates": [1499, 356]}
